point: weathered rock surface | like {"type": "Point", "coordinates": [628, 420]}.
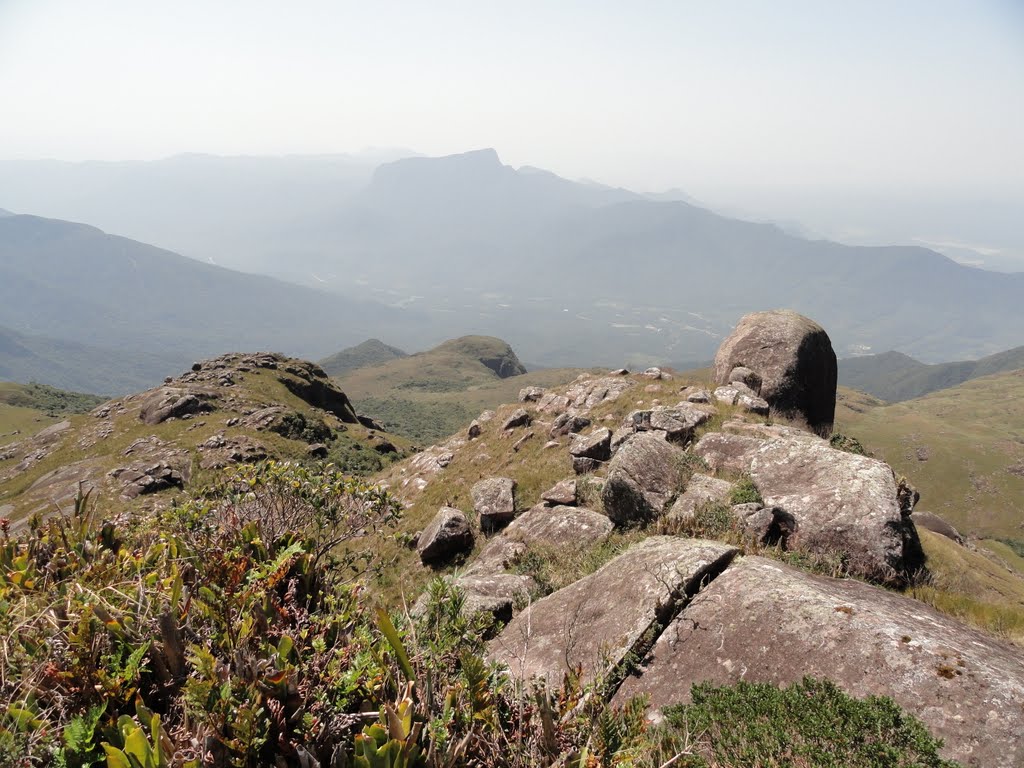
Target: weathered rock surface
{"type": "Point", "coordinates": [448, 534]}
{"type": "Point", "coordinates": [530, 394]}
{"type": "Point", "coordinates": [677, 422]}
{"type": "Point", "coordinates": [740, 394]}
{"type": "Point", "coordinates": [644, 477]}
{"type": "Point", "coordinates": [494, 501]}
{"type": "Point", "coordinates": [732, 453]}
{"type": "Point", "coordinates": [568, 423]}
{"type": "Point", "coordinates": [601, 618]}
{"type": "Point", "coordinates": [698, 396]}
{"type": "Point", "coordinates": [171, 402]}
{"type": "Point", "coordinates": [487, 582]}
{"type": "Point", "coordinates": [841, 502]}
{"type": "Point", "coordinates": [762, 621]}
{"type": "Point", "coordinates": [519, 418]}
{"type": "Point", "coordinates": [589, 451]}
{"type": "Point", "coordinates": [561, 493]}
{"type": "Point", "coordinates": [700, 490]}
{"type": "Point", "coordinates": [795, 360]}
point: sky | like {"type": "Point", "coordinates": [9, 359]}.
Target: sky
{"type": "Point", "coordinates": [719, 97]}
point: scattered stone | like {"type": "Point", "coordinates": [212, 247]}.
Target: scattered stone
{"type": "Point", "coordinates": [384, 446]}
{"type": "Point", "coordinates": [444, 459]}
{"type": "Point", "coordinates": [168, 402]}
{"type": "Point", "coordinates": [551, 444]}
{"type": "Point", "coordinates": [841, 502]}
{"type": "Point", "coordinates": [619, 372]}
{"type": "Point", "coordinates": [448, 534]}
{"type": "Point", "coordinates": [652, 373]}
{"type": "Point", "coordinates": [699, 396]}
{"type": "Point", "coordinates": [678, 422]}
{"type": "Point", "coordinates": [643, 477]}
{"type": "Point", "coordinates": [474, 430]}
{"type": "Point", "coordinates": [519, 418]}
{"type": "Point", "coordinates": [371, 423]}
{"type": "Point", "coordinates": [795, 360]}
{"type": "Point", "coordinates": [530, 394]}
{"type": "Point", "coordinates": [317, 451]}
{"type": "Point", "coordinates": [589, 451]}
{"type": "Point", "coordinates": [521, 441]}
{"type": "Point", "coordinates": [494, 501]}
{"type": "Point", "coordinates": [562, 493]}
{"type": "Point", "coordinates": [743, 375]}
{"type": "Point", "coordinates": [567, 423]}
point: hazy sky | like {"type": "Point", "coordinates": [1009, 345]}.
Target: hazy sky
{"type": "Point", "coordinates": [910, 94]}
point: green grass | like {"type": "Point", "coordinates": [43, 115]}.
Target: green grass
{"type": "Point", "coordinates": [49, 400]}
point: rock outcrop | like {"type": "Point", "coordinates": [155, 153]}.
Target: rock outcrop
{"type": "Point", "coordinates": [494, 501]}
{"type": "Point", "coordinates": [448, 534]}
{"type": "Point", "coordinates": [841, 502]}
{"type": "Point", "coordinates": [762, 621]}
{"type": "Point", "coordinates": [794, 358]}
{"type": "Point", "coordinates": [644, 477]}
{"type": "Point", "coordinates": [597, 621]}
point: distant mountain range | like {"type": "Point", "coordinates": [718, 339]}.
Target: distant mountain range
{"type": "Point", "coordinates": [569, 273]}
{"type": "Point", "coordinates": [90, 311]}
{"type": "Point", "coordinates": [894, 376]}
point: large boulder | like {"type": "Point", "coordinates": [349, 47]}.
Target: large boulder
{"type": "Point", "coordinates": [794, 358]}
{"type": "Point", "coordinates": [600, 619]}
{"type": "Point", "coordinates": [494, 501]}
{"type": "Point", "coordinates": [765, 622]}
{"type": "Point", "coordinates": [731, 453]}
{"type": "Point", "coordinates": [677, 422]}
{"type": "Point", "coordinates": [448, 534]}
{"type": "Point", "coordinates": [590, 451]}
{"type": "Point", "coordinates": [841, 502]}
{"type": "Point", "coordinates": [644, 477]}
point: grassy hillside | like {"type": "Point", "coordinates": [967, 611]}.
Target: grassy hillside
{"type": "Point", "coordinates": [962, 447]}
{"type": "Point", "coordinates": [894, 376]}
{"type": "Point", "coordinates": [252, 407]}
{"type": "Point", "coordinates": [27, 408]}
{"type": "Point", "coordinates": [370, 352]}
{"type": "Point", "coordinates": [430, 395]}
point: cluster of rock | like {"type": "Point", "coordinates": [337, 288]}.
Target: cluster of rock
{"type": "Point", "coordinates": [671, 610]}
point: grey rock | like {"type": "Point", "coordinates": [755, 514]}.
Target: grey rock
{"type": "Point", "coordinates": [731, 453]}
{"type": "Point", "coordinates": [743, 375]}
{"type": "Point", "coordinates": [932, 522]}
{"type": "Point", "coordinates": [530, 394]}
{"type": "Point", "coordinates": [519, 418]}
{"type": "Point", "coordinates": [494, 501]}
{"type": "Point", "coordinates": [795, 360]}
{"type": "Point", "coordinates": [643, 478]}
{"type": "Point", "coordinates": [841, 502]}
{"type": "Point", "coordinates": [677, 422]}
{"type": "Point", "coordinates": [448, 534]}
{"type": "Point", "coordinates": [698, 396]}
{"type": "Point", "coordinates": [764, 622]}
{"type": "Point", "coordinates": [597, 621]}
{"type": "Point", "coordinates": [700, 490]}
{"type": "Point", "coordinates": [567, 423]}
{"type": "Point", "coordinates": [168, 402]}
{"type": "Point", "coordinates": [596, 445]}
{"type": "Point", "coordinates": [562, 493]}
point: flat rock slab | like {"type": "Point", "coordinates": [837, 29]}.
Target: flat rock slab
{"type": "Point", "coordinates": [595, 622]}
{"type": "Point", "coordinates": [765, 622]}
{"type": "Point", "coordinates": [840, 501]}
{"type": "Point", "coordinates": [494, 501]}
{"type": "Point", "coordinates": [732, 453]}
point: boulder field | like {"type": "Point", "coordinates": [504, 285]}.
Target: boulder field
{"type": "Point", "coordinates": [672, 610]}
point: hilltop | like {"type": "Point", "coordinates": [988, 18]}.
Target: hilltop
{"type": "Point", "coordinates": [429, 395]}
{"type": "Point", "coordinates": [894, 376]}
{"type": "Point", "coordinates": [370, 352]}
{"type": "Point", "coordinates": [637, 545]}
{"type": "Point", "coordinates": [146, 448]}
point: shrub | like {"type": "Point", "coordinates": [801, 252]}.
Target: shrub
{"type": "Point", "coordinates": [811, 723]}
{"type": "Point", "coordinates": [745, 492]}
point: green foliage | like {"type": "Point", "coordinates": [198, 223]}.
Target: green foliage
{"type": "Point", "coordinates": [49, 400]}
{"type": "Point", "coordinates": [811, 723]}
{"type": "Point", "coordinates": [425, 422]}
{"type": "Point", "coordinates": [745, 492]}
{"type": "Point", "coordinates": [296, 426]}
{"type": "Point", "coordinates": [842, 442]}
{"type": "Point", "coordinates": [552, 567]}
